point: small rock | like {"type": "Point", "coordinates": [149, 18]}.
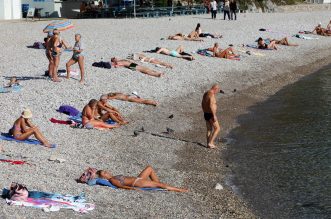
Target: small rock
{"type": "Point", "coordinates": [171, 116]}
{"type": "Point", "coordinates": [170, 131]}
{"type": "Point", "coordinates": [135, 133]}
{"type": "Point", "coordinates": [218, 186]}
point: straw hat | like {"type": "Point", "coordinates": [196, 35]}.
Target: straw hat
{"type": "Point", "coordinates": [27, 114]}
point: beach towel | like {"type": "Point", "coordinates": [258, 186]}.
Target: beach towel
{"type": "Point", "coordinates": [68, 110]}
{"type": "Point", "coordinates": [304, 37]}
{"type": "Point", "coordinates": [255, 47]}
{"type": "Point", "coordinates": [104, 182]}
{"type": "Point", "coordinates": [52, 202]}
{"type": "Point", "coordinates": [8, 137]}
{"type": "Point", "coordinates": [13, 162]}
{"type": "Point", "coordinates": [14, 88]}
{"type": "Point", "coordinates": [38, 45]}
{"type": "Point", "coordinates": [204, 52]}
{"type": "Point", "coordinates": [102, 64]}
{"type": "Point", "coordinates": [78, 119]}
{"type": "Point", "coordinates": [63, 122]}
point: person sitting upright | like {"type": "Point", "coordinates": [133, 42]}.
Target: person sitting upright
{"type": "Point", "coordinates": [105, 111]}
{"type": "Point", "coordinates": [89, 119]}
{"type": "Point", "coordinates": [321, 31]}
{"type": "Point", "coordinates": [23, 129]}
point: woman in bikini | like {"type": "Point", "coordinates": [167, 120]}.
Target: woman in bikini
{"type": "Point", "coordinates": [56, 45]}
{"type": "Point", "coordinates": [130, 98]}
{"type": "Point", "coordinates": [321, 31]}
{"type": "Point", "coordinates": [146, 179]}
{"type": "Point", "coordinates": [134, 67]}
{"type": "Point", "coordinates": [226, 53]}
{"type": "Point", "coordinates": [89, 119]}
{"type": "Point", "coordinates": [49, 53]}
{"type": "Point", "coordinates": [283, 41]}
{"type": "Point", "coordinates": [23, 129]}
{"type": "Point", "coordinates": [174, 53]}
{"type": "Point", "coordinates": [143, 58]}
{"type": "Point", "coordinates": [78, 56]}
{"type": "Point", "coordinates": [180, 36]}
{"type": "Point", "coordinates": [199, 32]}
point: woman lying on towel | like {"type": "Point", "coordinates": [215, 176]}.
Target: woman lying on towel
{"type": "Point", "coordinates": [115, 62]}
{"type": "Point", "coordinates": [130, 98]}
{"type": "Point", "coordinates": [143, 58]}
{"type": "Point", "coordinates": [23, 129]}
{"type": "Point", "coordinates": [146, 179]}
{"type": "Point", "coordinates": [261, 44]}
{"type": "Point", "coordinates": [89, 119]}
{"type": "Point", "coordinates": [180, 36]}
{"type": "Point", "coordinates": [226, 53]}
{"type": "Point", "coordinates": [283, 41]}
{"type": "Point", "coordinates": [178, 53]}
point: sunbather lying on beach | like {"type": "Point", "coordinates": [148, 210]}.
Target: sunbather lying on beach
{"type": "Point", "coordinates": [219, 53]}
{"type": "Point", "coordinates": [105, 111]}
{"type": "Point", "coordinates": [146, 179]}
{"type": "Point", "coordinates": [23, 129]}
{"type": "Point", "coordinates": [180, 36]}
{"type": "Point", "coordinates": [263, 45]}
{"type": "Point", "coordinates": [130, 98]}
{"type": "Point", "coordinates": [283, 41]}
{"type": "Point", "coordinates": [134, 67]}
{"type": "Point", "coordinates": [178, 53]}
{"type": "Point", "coordinates": [89, 119]}
{"type": "Point", "coordinates": [321, 31]}
{"type": "Point", "coordinates": [143, 58]}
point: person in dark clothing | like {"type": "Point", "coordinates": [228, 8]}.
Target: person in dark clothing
{"type": "Point", "coordinates": [233, 9]}
{"type": "Point", "coordinates": [226, 9]}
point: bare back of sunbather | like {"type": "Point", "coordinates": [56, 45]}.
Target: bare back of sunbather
{"type": "Point", "coordinates": [144, 58]}
{"type": "Point", "coordinates": [133, 66]}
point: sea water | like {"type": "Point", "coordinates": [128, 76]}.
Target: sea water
{"type": "Point", "coordinates": [282, 151]}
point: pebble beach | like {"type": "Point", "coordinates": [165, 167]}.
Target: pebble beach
{"type": "Point", "coordinates": [179, 158]}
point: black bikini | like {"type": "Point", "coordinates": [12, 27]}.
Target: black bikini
{"type": "Point", "coordinates": [208, 116]}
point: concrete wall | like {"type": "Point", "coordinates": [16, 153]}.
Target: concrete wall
{"type": "Point", "coordinates": [10, 9]}
{"type": "Point", "coordinates": [53, 7]}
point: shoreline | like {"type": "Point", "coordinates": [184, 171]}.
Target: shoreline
{"type": "Point", "coordinates": [219, 166]}
{"type": "Point", "coordinates": [179, 92]}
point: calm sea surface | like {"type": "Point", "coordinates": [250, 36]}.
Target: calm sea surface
{"type": "Point", "coordinates": [281, 151]}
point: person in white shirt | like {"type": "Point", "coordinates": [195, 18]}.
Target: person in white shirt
{"type": "Point", "coordinates": [213, 6]}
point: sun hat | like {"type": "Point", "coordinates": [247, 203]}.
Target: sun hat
{"type": "Point", "coordinates": [27, 114]}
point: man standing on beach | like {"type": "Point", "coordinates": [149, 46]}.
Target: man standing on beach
{"type": "Point", "coordinates": [213, 6]}
{"type": "Point", "coordinates": [209, 107]}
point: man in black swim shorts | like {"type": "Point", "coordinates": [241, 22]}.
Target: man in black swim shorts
{"type": "Point", "coordinates": [209, 107]}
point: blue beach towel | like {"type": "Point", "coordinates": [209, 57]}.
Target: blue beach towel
{"type": "Point", "coordinates": [104, 182]}
{"type": "Point", "coordinates": [7, 137]}
{"type": "Point", "coordinates": [204, 52]}
{"type": "Point", "coordinates": [14, 88]}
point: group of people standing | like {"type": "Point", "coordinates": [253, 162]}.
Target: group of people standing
{"type": "Point", "coordinates": [54, 45]}
{"type": "Point", "coordinates": [229, 9]}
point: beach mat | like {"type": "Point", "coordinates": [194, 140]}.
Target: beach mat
{"type": "Point", "coordinates": [7, 137]}
{"type": "Point", "coordinates": [104, 182]}
{"type": "Point", "coordinates": [255, 47]}
{"type": "Point", "coordinates": [16, 88]}
{"type": "Point", "coordinates": [78, 119]}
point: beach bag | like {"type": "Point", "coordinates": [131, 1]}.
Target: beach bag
{"type": "Point", "coordinates": [69, 110]}
{"type": "Point", "coordinates": [18, 192]}
{"type": "Point", "coordinates": [38, 45]}
{"type": "Point", "coordinates": [89, 173]}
